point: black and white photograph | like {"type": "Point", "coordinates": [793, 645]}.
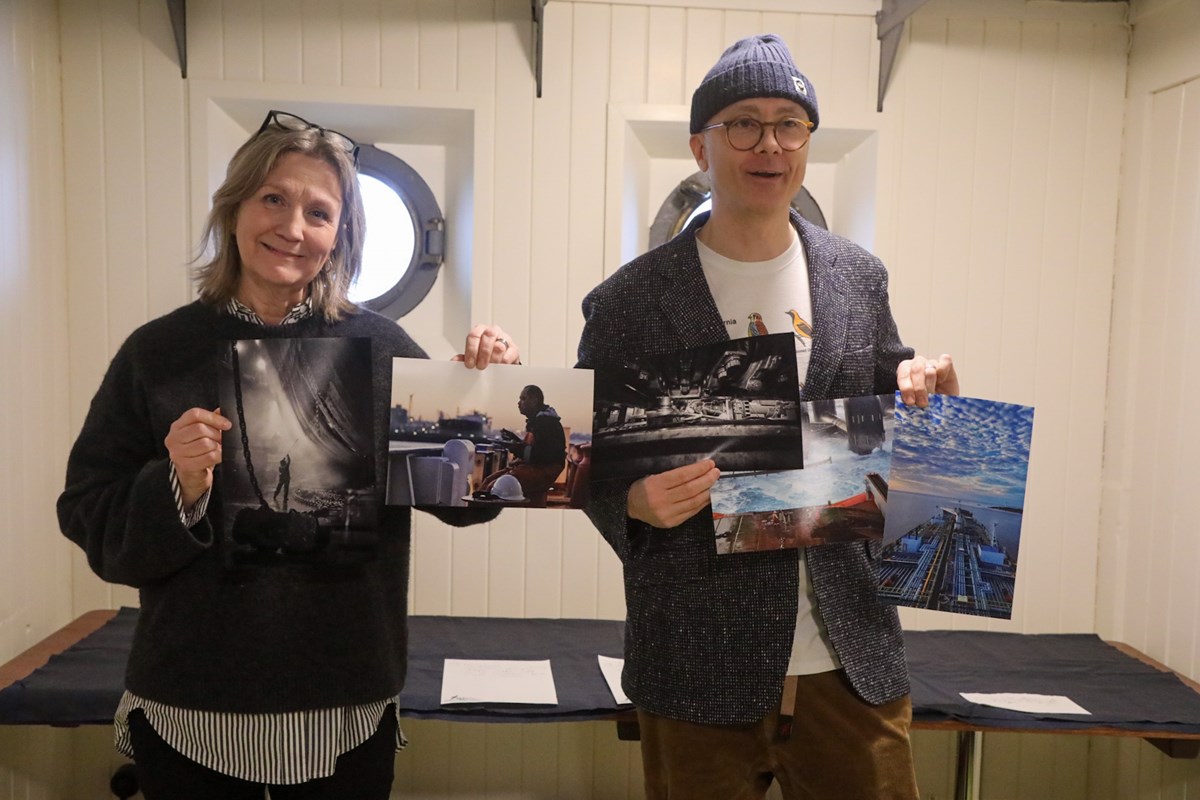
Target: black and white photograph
{"type": "Point", "coordinates": [298, 465]}
{"type": "Point", "coordinates": [736, 402]}
{"type": "Point", "coordinates": [505, 436]}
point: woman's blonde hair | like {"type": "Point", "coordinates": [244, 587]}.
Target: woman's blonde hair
{"type": "Point", "coordinates": [218, 278]}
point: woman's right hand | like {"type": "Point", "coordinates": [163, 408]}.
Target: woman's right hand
{"type": "Point", "coordinates": [194, 445]}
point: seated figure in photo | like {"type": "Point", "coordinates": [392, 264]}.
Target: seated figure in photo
{"type": "Point", "coordinates": [541, 453]}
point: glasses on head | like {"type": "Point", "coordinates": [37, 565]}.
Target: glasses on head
{"type": "Point", "coordinates": [290, 122]}
{"type": "Point", "coordinates": [744, 133]}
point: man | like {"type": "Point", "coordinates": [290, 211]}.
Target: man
{"type": "Point", "coordinates": [542, 450]}
{"type": "Point", "coordinates": [780, 664]}
{"type": "Point", "coordinates": [284, 483]}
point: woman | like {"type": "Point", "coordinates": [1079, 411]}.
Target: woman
{"type": "Point", "coordinates": [283, 676]}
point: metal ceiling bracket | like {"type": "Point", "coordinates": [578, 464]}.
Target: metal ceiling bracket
{"type": "Point", "coordinates": [539, 19]}
{"type": "Point", "coordinates": [178, 11]}
{"type": "Point", "coordinates": [889, 27]}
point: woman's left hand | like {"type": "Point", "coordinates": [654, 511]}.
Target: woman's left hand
{"type": "Point", "coordinates": [488, 344]}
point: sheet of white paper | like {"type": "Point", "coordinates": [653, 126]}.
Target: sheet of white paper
{"type": "Point", "coordinates": [611, 667]}
{"type": "Point", "coordinates": [1027, 703]}
{"type": "Point", "coordinates": [485, 681]}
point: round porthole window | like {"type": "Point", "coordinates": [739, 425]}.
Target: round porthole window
{"type": "Point", "coordinates": [693, 196]}
{"type": "Point", "coordinates": [405, 243]}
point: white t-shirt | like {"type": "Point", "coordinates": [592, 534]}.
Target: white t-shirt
{"type": "Point", "coordinates": [761, 297]}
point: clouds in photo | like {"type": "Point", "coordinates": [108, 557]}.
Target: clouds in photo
{"type": "Point", "coordinates": [963, 448]}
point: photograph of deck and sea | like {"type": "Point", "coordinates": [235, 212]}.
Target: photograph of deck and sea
{"type": "Point", "coordinates": [837, 496]}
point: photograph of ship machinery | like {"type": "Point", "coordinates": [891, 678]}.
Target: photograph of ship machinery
{"type": "Point", "coordinates": [951, 562]}
{"type": "Point", "coordinates": [735, 402]}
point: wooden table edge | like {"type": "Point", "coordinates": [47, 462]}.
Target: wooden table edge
{"type": "Point", "coordinates": [1173, 744]}
{"type": "Point", "coordinates": [23, 665]}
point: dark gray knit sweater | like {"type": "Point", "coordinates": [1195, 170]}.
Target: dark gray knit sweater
{"type": "Point", "coordinates": [270, 640]}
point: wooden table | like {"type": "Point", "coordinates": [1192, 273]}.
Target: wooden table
{"type": "Point", "coordinates": [572, 646]}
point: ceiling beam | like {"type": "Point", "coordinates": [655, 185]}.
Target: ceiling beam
{"type": "Point", "coordinates": [539, 19]}
{"type": "Point", "coordinates": [178, 11]}
{"type": "Point", "coordinates": [889, 27]}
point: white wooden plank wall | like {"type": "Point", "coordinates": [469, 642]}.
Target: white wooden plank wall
{"type": "Point", "coordinates": [1000, 148]}
{"type": "Point", "coordinates": [998, 198]}
{"type": "Point", "coordinates": [33, 327]}
{"type": "Point", "coordinates": [126, 202]}
{"type": "Point", "coordinates": [34, 562]}
{"type": "Point", "coordinates": [999, 206]}
{"type": "Point", "coordinates": [1148, 547]}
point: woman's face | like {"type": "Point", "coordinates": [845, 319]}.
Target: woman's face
{"type": "Point", "coordinates": [287, 229]}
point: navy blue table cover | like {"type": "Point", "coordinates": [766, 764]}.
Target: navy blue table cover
{"type": "Point", "coordinates": [83, 685]}
{"type": "Point", "coordinates": [1119, 690]}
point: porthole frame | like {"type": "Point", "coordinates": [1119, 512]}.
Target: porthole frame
{"type": "Point", "coordinates": [693, 190]}
{"type": "Point", "coordinates": [429, 231]}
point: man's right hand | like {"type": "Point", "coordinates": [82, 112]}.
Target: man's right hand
{"type": "Point", "coordinates": [668, 498]}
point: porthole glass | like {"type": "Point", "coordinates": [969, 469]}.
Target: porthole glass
{"type": "Point", "coordinates": [405, 243]}
{"type": "Point", "coordinates": [388, 248]}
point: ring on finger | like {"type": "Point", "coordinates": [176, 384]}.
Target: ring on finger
{"type": "Point", "coordinates": [503, 342]}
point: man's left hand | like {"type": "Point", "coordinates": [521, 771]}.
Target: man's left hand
{"type": "Point", "coordinates": [919, 377]}
{"type": "Point", "coordinates": [488, 344]}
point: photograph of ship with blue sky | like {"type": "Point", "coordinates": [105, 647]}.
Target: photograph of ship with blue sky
{"type": "Point", "coordinates": [955, 502]}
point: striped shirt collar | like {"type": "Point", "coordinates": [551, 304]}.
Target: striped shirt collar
{"type": "Point", "coordinates": [301, 311]}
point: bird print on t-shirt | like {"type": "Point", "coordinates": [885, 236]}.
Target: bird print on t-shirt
{"type": "Point", "coordinates": [800, 327]}
{"type": "Point", "coordinates": [756, 327]}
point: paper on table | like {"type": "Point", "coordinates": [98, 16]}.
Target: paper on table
{"type": "Point", "coordinates": [1027, 703]}
{"type": "Point", "coordinates": [487, 681]}
{"type": "Point", "coordinates": [611, 668]}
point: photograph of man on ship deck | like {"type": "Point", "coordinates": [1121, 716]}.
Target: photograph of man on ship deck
{"type": "Point", "coordinates": [506, 436]}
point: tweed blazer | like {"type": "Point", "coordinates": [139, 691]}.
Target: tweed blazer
{"type": "Point", "coordinates": [708, 637]}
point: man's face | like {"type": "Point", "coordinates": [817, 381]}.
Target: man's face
{"type": "Point", "coordinates": [525, 403]}
{"type": "Point", "coordinates": [759, 181]}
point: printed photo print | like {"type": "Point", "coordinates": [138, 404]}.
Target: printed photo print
{"type": "Point", "coordinates": [838, 496]}
{"type": "Point", "coordinates": [736, 402]}
{"type": "Point", "coordinates": [298, 466]}
{"type": "Point", "coordinates": [954, 510]}
{"type": "Point", "coordinates": [505, 436]}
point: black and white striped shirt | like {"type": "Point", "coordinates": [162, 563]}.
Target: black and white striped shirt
{"type": "Point", "coordinates": [286, 748]}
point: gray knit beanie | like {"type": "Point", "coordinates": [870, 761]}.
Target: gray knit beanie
{"type": "Point", "coordinates": [757, 66]}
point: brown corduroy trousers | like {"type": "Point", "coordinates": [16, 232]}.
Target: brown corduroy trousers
{"type": "Point", "coordinates": [840, 748]}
